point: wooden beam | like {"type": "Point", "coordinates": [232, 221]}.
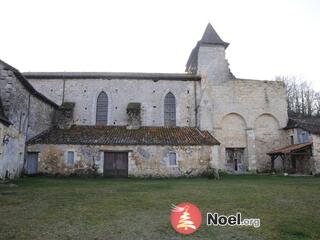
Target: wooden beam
{"type": "Point", "coordinates": [300, 154]}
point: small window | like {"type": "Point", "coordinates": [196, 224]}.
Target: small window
{"type": "Point", "coordinates": [70, 158]}
{"type": "Point", "coordinates": [172, 159]}
{"type": "Point", "coordinates": [291, 140]}
{"type": "Point", "coordinates": [305, 137]}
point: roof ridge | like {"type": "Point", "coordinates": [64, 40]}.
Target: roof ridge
{"type": "Point", "coordinates": [113, 75]}
{"type": "Point", "coordinates": [28, 85]}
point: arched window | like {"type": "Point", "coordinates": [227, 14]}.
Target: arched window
{"type": "Point", "coordinates": [102, 109]}
{"type": "Point", "coordinates": [170, 110]}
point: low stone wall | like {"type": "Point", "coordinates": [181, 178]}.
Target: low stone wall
{"type": "Point", "coordinates": [11, 152]}
{"type": "Point", "coordinates": [143, 161]}
{"type": "Point", "coordinates": [316, 154]}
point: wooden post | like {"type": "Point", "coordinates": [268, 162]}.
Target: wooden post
{"type": "Point", "coordinates": [272, 162]}
{"type": "Point", "coordinates": [283, 165]}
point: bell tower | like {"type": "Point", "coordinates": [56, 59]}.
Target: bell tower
{"type": "Point", "coordinates": [208, 58]}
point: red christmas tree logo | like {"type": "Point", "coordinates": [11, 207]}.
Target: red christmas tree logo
{"type": "Point", "coordinates": [185, 218]}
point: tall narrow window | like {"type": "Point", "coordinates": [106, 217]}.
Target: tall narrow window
{"type": "Point", "coordinates": [70, 158]}
{"type": "Point", "coordinates": [102, 109]}
{"type": "Point", "coordinates": [170, 110]}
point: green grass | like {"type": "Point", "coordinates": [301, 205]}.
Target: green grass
{"type": "Point", "coordinates": [48, 208]}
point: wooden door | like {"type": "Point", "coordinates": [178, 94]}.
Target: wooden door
{"type": "Point", "coordinates": [115, 164]}
{"type": "Point", "coordinates": [32, 163]}
{"type": "Point", "coordinates": [235, 159]}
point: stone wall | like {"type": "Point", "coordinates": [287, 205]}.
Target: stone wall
{"type": "Point", "coordinates": [240, 113]}
{"type": "Point", "coordinates": [316, 154]}
{"type": "Point", "coordinates": [246, 114]}
{"type": "Point", "coordinates": [149, 93]}
{"type": "Point", "coordinates": [29, 114]}
{"type": "Point", "coordinates": [11, 152]}
{"type": "Point", "coordinates": [144, 161]}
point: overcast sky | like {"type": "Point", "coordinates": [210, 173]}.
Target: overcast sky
{"type": "Point", "coordinates": [267, 38]}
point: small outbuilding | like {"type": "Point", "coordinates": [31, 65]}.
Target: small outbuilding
{"type": "Point", "coordinates": [122, 151]}
{"type": "Point", "coordinates": [302, 155]}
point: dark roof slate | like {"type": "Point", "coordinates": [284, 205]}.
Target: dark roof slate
{"type": "Point", "coordinates": [27, 85]}
{"type": "Point", "coordinates": [310, 124]}
{"type": "Point", "coordinates": [112, 75]}
{"type": "Point", "coordinates": [210, 36]}
{"type": "Point", "coordinates": [120, 135]}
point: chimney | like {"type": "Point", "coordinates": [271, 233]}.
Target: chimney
{"type": "Point", "coordinates": [64, 115]}
{"type": "Point", "coordinates": [134, 115]}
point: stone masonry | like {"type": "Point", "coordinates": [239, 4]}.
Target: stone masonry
{"type": "Point", "coordinates": [246, 116]}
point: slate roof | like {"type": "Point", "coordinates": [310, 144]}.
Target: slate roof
{"type": "Point", "coordinates": [112, 75]}
{"type": "Point", "coordinates": [210, 36]}
{"type": "Point", "coordinates": [120, 135]}
{"type": "Point", "coordinates": [27, 85]}
{"type": "Point", "coordinates": [3, 117]}
{"type": "Point", "coordinates": [310, 124]}
{"type": "Point", "coordinates": [290, 149]}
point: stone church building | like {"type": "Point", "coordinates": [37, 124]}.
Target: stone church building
{"type": "Point", "coordinates": [142, 124]}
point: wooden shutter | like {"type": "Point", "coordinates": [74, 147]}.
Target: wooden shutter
{"type": "Point", "coordinates": [70, 160]}
{"type": "Point", "coordinates": [32, 162]}
{"type": "Point", "coordinates": [172, 158]}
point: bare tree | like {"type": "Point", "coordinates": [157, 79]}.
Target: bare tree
{"type": "Point", "coordinates": [317, 104]}
{"type": "Point", "coordinates": [302, 99]}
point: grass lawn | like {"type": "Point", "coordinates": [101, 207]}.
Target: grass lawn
{"type": "Point", "coordinates": [48, 208]}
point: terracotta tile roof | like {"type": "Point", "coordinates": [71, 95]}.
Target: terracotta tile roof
{"type": "Point", "coordinates": [290, 149]}
{"type": "Point", "coordinates": [310, 124]}
{"type": "Point", "coordinates": [120, 135]}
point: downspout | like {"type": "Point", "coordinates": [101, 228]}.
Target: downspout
{"type": "Point", "coordinates": [26, 134]}
{"type": "Point", "coordinates": [28, 115]}
{"type": "Point", "coordinates": [195, 103]}
{"type": "Point", "coordinates": [63, 90]}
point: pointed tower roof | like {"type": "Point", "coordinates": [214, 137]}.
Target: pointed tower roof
{"type": "Point", "coordinates": [210, 36]}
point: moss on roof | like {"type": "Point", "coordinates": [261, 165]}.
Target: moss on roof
{"type": "Point", "coordinates": [67, 106]}
{"type": "Point", "coordinates": [134, 106]}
